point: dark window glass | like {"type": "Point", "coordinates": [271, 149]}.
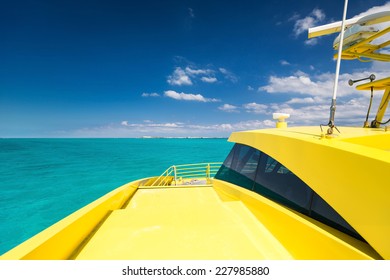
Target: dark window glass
{"type": "Point", "coordinates": [275, 181]}
{"type": "Point", "coordinates": [323, 212]}
{"type": "Point", "coordinates": [228, 161]}
{"type": "Point", "coordinates": [255, 170]}
{"type": "Point", "coordinates": [245, 161]}
{"type": "Point", "coordinates": [240, 166]}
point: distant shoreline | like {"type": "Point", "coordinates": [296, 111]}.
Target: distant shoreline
{"type": "Point", "coordinates": [141, 137]}
{"type": "Point", "coordinates": [184, 137]}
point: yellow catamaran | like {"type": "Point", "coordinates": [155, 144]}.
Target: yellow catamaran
{"type": "Point", "coordinates": [283, 193]}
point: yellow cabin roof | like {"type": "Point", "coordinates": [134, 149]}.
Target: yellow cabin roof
{"type": "Point", "coordinates": [349, 171]}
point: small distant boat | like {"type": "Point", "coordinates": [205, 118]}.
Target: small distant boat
{"type": "Point", "coordinates": [282, 193]}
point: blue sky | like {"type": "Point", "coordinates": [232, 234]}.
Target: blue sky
{"type": "Point", "coordinates": [119, 68]}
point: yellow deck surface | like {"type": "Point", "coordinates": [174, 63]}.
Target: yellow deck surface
{"type": "Point", "coordinates": [182, 223]}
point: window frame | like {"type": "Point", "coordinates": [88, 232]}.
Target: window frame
{"type": "Point", "coordinates": [229, 174]}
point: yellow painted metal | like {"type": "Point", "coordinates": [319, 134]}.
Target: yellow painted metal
{"type": "Point", "coordinates": [63, 239]}
{"type": "Point", "coordinates": [336, 26]}
{"type": "Point", "coordinates": [349, 171]}
{"type": "Point", "coordinates": [303, 237]}
{"type": "Point", "coordinates": [382, 107]}
{"type": "Point", "coordinates": [182, 223]}
{"type": "Point", "coordinates": [364, 49]}
{"type": "Point", "coordinates": [203, 222]}
{"type": "Point", "coordinates": [281, 124]}
{"type": "Point", "coordinates": [166, 178]}
{"type": "Point", "coordinates": [382, 84]}
{"type": "Point", "coordinates": [177, 174]}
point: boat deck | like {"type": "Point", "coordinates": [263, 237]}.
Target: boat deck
{"type": "Point", "coordinates": [182, 223]}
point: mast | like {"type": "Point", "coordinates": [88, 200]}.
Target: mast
{"type": "Point", "coordinates": [360, 46]}
{"type": "Point", "coordinates": [331, 123]}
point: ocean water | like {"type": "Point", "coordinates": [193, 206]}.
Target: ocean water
{"type": "Point", "coordinates": [44, 180]}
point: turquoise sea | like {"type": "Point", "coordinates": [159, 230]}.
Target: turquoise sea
{"type": "Point", "coordinates": [44, 180]}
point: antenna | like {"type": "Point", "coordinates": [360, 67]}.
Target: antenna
{"type": "Point", "coordinates": [333, 105]}
{"type": "Point", "coordinates": [336, 26]}
{"type": "Point", "coordinates": [371, 78]}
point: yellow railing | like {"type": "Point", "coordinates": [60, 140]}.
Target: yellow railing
{"type": "Point", "coordinates": [177, 174]}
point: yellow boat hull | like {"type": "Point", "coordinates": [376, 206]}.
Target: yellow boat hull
{"type": "Point", "coordinates": [217, 221]}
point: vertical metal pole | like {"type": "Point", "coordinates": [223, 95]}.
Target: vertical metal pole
{"type": "Point", "coordinates": [366, 123]}
{"type": "Point", "coordinates": [208, 173]}
{"type": "Point", "coordinates": [336, 80]}
{"type": "Point", "coordinates": [175, 174]}
{"type": "Point", "coordinates": [382, 108]}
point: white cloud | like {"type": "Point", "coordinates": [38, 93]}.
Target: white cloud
{"type": "Point", "coordinates": [375, 9]}
{"type": "Point", "coordinates": [188, 96]}
{"type": "Point", "coordinates": [244, 125]}
{"type": "Point", "coordinates": [194, 72]}
{"type": "Point", "coordinates": [380, 68]}
{"type": "Point", "coordinates": [228, 75]}
{"type": "Point", "coordinates": [190, 74]}
{"type": "Point", "coordinates": [172, 129]}
{"type": "Point", "coordinates": [321, 85]}
{"type": "Point", "coordinates": [284, 63]}
{"type": "Point", "coordinates": [303, 24]}
{"type": "Point", "coordinates": [209, 80]}
{"type": "Point", "coordinates": [255, 108]}
{"type": "Point", "coordinates": [311, 42]}
{"type": "Point", "coordinates": [191, 13]}
{"type": "Point", "coordinates": [186, 76]}
{"type": "Point", "coordinates": [352, 112]}
{"type": "Point", "coordinates": [228, 108]}
{"type": "Point", "coordinates": [317, 85]}
{"type": "Point", "coordinates": [310, 96]}
{"type": "Point", "coordinates": [223, 70]}
{"type": "Point", "coordinates": [269, 123]}
{"type": "Point", "coordinates": [153, 94]}
{"type": "Point", "coordinates": [317, 16]}
{"type": "Point", "coordinates": [151, 124]}
{"type": "Point", "coordinates": [209, 74]}
{"type": "Point", "coordinates": [182, 129]}
{"type": "Point", "coordinates": [306, 100]}
{"type": "Point", "coordinates": [294, 17]}
{"type": "Point", "coordinates": [250, 88]}
{"type": "Point", "coordinates": [179, 78]}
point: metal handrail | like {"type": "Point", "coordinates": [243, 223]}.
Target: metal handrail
{"type": "Point", "coordinates": [162, 180]}
{"type": "Point", "coordinates": [181, 172]}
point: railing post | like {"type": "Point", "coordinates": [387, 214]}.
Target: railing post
{"type": "Point", "coordinates": [186, 172]}
{"type": "Point", "coordinates": [208, 173]}
{"type": "Point", "coordinates": [175, 174]}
